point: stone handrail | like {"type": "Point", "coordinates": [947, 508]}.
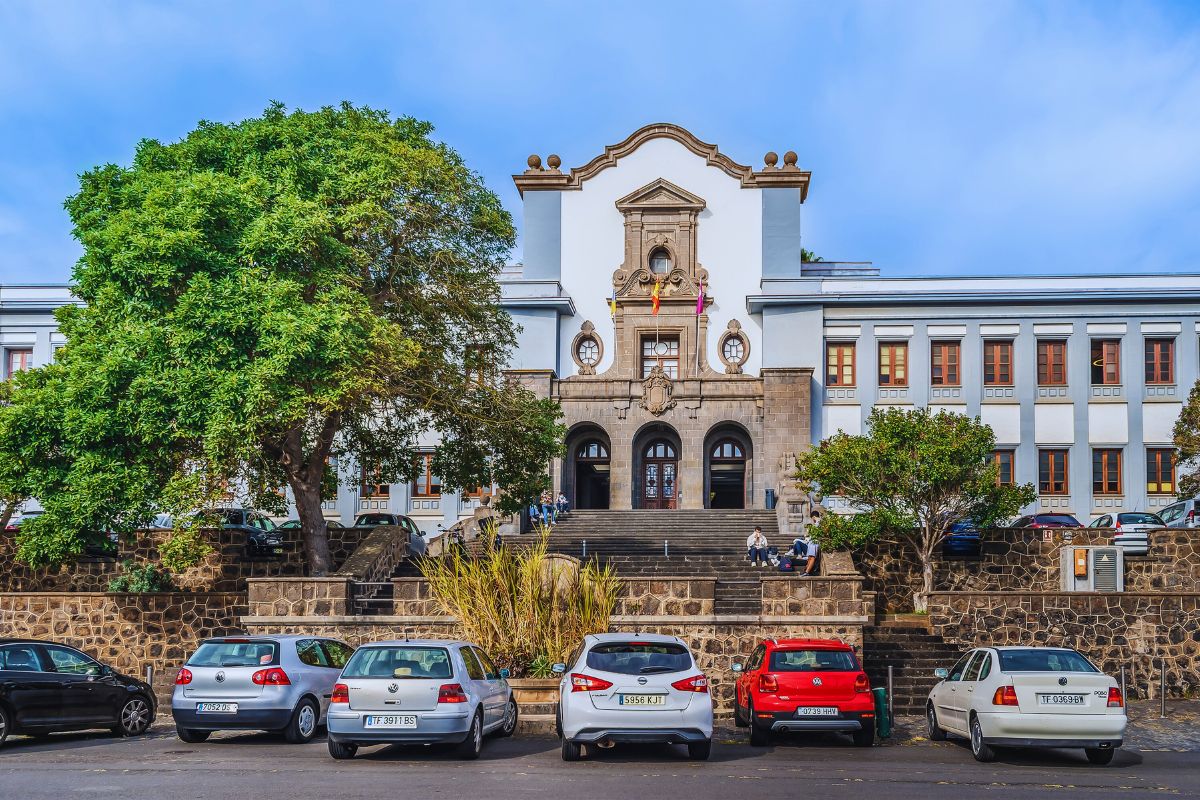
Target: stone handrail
{"type": "Point", "coordinates": [376, 557]}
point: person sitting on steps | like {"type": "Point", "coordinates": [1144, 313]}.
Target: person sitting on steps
{"type": "Point", "coordinates": [806, 549]}
{"type": "Point", "coordinates": [756, 547]}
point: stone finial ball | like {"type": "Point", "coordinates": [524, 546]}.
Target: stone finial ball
{"type": "Point", "coordinates": [790, 158]}
{"type": "Point", "coordinates": [771, 158]}
{"type": "Point", "coordinates": [534, 161]}
{"type": "Point", "coordinates": [553, 161]}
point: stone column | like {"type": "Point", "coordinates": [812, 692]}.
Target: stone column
{"type": "Point", "coordinates": [787, 395]}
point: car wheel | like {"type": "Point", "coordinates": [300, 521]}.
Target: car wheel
{"type": "Point", "coordinates": [509, 727]}
{"type": "Point", "coordinates": [303, 726]}
{"type": "Point", "coordinates": [342, 751]}
{"type": "Point", "coordinates": [134, 718]}
{"type": "Point", "coordinates": [192, 736]}
{"type": "Point", "coordinates": [739, 720]}
{"type": "Point", "coordinates": [979, 748]}
{"type": "Point", "coordinates": [4, 725]}
{"type": "Point", "coordinates": [758, 736]}
{"type": "Point", "coordinates": [571, 751]}
{"type": "Point", "coordinates": [470, 747]}
{"type": "Point", "coordinates": [700, 751]}
{"type": "Point", "coordinates": [936, 734]}
{"type": "Point", "coordinates": [1100, 756]}
{"type": "Point", "coordinates": [864, 737]}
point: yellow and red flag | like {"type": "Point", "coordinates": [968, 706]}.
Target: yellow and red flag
{"type": "Point", "coordinates": [654, 299]}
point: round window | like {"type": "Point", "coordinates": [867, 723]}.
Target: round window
{"type": "Point", "coordinates": [734, 349]}
{"type": "Point", "coordinates": [660, 262]}
{"type": "Point", "coordinates": [589, 352]}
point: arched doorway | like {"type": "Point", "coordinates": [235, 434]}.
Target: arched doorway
{"type": "Point", "coordinates": [659, 475]}
{"type": "Point", "coordinates": [591, 474]}
{"type": "Point", "coordinates": [727, 467]}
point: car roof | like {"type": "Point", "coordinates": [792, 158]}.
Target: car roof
{"type": "Point", "coordinates": [266, 637]}
{"type": "Point", "coordinates": [658, 638]}
{"type": "Point", "coordinates": [811, 644]}
{"type": "Point", "coordinates": [1027, 647]}
{"type": "Point", "coordinates": [32, 641]}
{"type": "Point", "coordinates": [419, 643]}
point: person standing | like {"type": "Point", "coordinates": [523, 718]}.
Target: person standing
{"type": "Point", "coordinates": [756, 547]}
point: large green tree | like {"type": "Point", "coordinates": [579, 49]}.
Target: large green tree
{"type": "Point", "coordinates": [1187, 441]}
{"type": "Point", "coordinates": [912, 475]}
{"type": "Point", "coordinates": [264, 296]}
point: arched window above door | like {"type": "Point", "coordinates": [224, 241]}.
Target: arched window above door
{"type": "Point", "coordinates": [660, 448]}
{"type": "Point", "coordinates": [727, 450]}
{"type": "Point", "coordinates": [592, 449]}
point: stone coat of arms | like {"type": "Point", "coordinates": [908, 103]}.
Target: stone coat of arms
{"type": "Point", "coordinates": [657, 391]}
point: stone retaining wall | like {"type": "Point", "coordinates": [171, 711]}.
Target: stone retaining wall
{"type": "Point", "coordinates": [788, 596]}
{"type": "Point", "coordinates": [1025, 560]}
{"type": "Point", "coordinates": [667, 597]}
{"type": "Point", "coordinates": [298, 597]}
{"type": "Point", "coordinates": [1137, 630]}
{"type": "Point", "coordinates": [127, 631]}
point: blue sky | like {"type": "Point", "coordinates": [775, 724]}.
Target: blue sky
{"type": "Point", "coordinates": [944, 137]}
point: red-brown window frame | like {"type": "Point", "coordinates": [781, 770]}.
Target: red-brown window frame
{"type": "Point", "coordinates": [993, 349]}
{"type": "Point", "coordinates": [893, 348]}
{"type": "Point", "coordinates": [838, 356]}
{"type": "Point", "coordinates": [368, 489]}
{"type": "Point", "coordinates": [1106, 357]}
{"type": "Point", "coordinates": [1052, 359]}
{"type": "Point", "coordinates": [997, 459]}
{"type": "Point", "coordinates": [1154, 470]}
{"type": "Point", "coordinates": [26, 359]}
{"type": "Point", "coordinates": [1103, 460]}
{"type": "Point", "coordinates": [1160, 361]}
{"type": "Point", "coordinates": [950, 353]}
{"type": "Point", "coordinates": [425, 464]}
{"type": "Point", "coordinates": [1051, 472]}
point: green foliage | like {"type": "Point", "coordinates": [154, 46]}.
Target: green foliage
{"type": "Point", "coordinates": [809, 257]}
{"type": "Point", "coordinates": [913, 475]}
{"type": "Point", "coordinates": [184, 548]}
{"type": "Point", "coordinates": [263, 297]}
{"type": "Point", "coordinates": [1187, 441]}
{"type": "Point", "coordinates": [525, 607]}
{"type": "Point", "coordinates": [144, 578]}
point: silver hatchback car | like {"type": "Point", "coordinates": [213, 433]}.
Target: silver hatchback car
{"type": "Point", "coordinates": [272, 683]}
{"type": "Point", "coordinates": [420, 692]}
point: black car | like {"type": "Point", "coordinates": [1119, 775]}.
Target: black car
{"type": "Point", "coordinates": [263, 538]}
{"type": "Point", "coordinates": [46, 687]}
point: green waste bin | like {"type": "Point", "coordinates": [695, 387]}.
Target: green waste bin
{"type": "Point", "coordinates": [883, 722]}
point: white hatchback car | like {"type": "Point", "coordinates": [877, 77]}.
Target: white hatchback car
{"type": "Point", "coordinates": [633, 688]}
{"type": "Point", "coordinates": [1028, 697]}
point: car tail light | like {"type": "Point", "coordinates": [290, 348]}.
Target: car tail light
{"type": "Point", "coordinates": [1005, 696]}
{"type": "Point", "coordinates": [861, 684]}
{"type": "Point", "coordinates": [341, 694]}
{"type": "Point", "coordinates": [183, 677]}
{"type": "Point", "coordinates": [235, 641]}
{"type": "Point", "coordinates": [1115, 700]}
{"type": "Point", "coordinates": [1190, 519]}
{"type": "Point", "coordinates": [698, 683]}
{"type": "Point", "coordinates": [768, 683]}
{"type": "Point", "coordinates": [586, 683]}
{"type": "Point", "coordinates": [451, 693]}
{"type": "Point", "coordinates": [271, 677]}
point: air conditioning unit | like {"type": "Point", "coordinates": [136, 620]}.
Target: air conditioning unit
{"type": "Point", "coordinates": [1092, 569]}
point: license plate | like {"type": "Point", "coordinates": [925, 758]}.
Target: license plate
{"type": "Point", "coordinates": [216, 708]}
{"type": "Point", "coordinates": [390, 721]}
{"type": "Point", "coordinates": [1060, 699]}
{"type": "Point", "coordinates": [642, 700]}
{"type": "Point", "coordinates": [816, 711]}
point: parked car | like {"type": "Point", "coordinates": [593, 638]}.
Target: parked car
{"type": "Point", "coordinates": [633, 688]}
{"type": "Point", "coordinates": [263, 538]}
{"type": "Point", "coordinates": [1046, 521]}
{"type": "Point", "coordinates": [14, 525]}
{"type": "Point", "coordinates": [1028, 697]}
{"type": "Point", "coordinates": [416, 539]}
{"type": "Point", "coordinates": [420, 692]}
{"type": "Point", "coordinates": [1132, 529]}
{"type": "Point", "coordinates": [964, 539]}
{"type": "Point", "coordinates": [1183, 514]}
{"type": "Point", "coordinates": [46, 687]}
{"type": "Point", "coordinates": [271, 683]}
{"type": "Point", "coordinates": [290, 525]}
{"type": "Point", "coordinates": [803, 685]}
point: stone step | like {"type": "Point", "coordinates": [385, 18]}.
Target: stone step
{"type": "Point", "coordinates": [535, 724]}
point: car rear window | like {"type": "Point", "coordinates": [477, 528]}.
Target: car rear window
{"type": "Point", "coordinates": [399, 662]}
{"type": "Point", "coordinates": [239, 653]}
{"type": "Point", "coordinates": [1057, 519]}
{"type": "Point", "coordinates": [1044, 661]}
{"type": "Point", "coordinates": [373, 519]}
{"type": "Point", "coordinates": [639, 658]}
{"type": "Point", "coordinates": [813, 661]}
{"type": "Point", "coordinates": [1136, 518]}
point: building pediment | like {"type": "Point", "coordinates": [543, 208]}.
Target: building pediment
{"type": "Point", "coordinates": [661, 194]}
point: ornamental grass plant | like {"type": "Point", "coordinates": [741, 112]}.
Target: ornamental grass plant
{"type": "Point", "coordinates": [527, 607]}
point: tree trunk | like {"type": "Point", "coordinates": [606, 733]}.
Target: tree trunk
{"type": "Point", "coordinates": [6, 512]}
{"type": "Point", "coordinates": [925, 551]}
{"type": "Point", "coordinates": [314, 530]}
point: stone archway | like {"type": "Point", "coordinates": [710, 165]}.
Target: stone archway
{"type": "Point", "coordinates": [728, 467]}
{"type": "Point", "coordinates": [587, 467]}
{"type": "Point", "coordinates": [657, 452]}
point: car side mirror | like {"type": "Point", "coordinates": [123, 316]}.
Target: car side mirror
{"type": "Point", "coordinates": [736, 667]}
{"type": "Point", "coordinates": [559, 669]}
{"type": "Point", "coordinates": [941, 673]}
{"type": "Point", "coordinates": [504, 674]}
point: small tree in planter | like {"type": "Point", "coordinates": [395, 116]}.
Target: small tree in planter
{"type": "Point", "coordinates": [914, 474]}
{"type": "Point", "coordinates": [526, 607]}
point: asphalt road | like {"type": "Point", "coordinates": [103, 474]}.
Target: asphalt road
{"type": "Point", "coordinates": [260, 766]}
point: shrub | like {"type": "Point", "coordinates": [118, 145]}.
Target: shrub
{"type": "Point", "coordinates": [146, 578]}
{"type": "Point", "coordinates": [526, 607]}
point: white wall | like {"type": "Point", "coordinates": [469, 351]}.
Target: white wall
{"type": "Point", "coordinates": [729, 237]}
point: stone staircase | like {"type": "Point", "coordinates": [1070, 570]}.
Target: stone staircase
{"type": "Point", "coordinates": [914, 653]}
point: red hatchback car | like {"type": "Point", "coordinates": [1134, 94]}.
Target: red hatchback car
{"type": "Point", "coordinates": [804, 685]}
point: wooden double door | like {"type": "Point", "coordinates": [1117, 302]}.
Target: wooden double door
{"type": "Point", "coordinates": [660, 472]}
